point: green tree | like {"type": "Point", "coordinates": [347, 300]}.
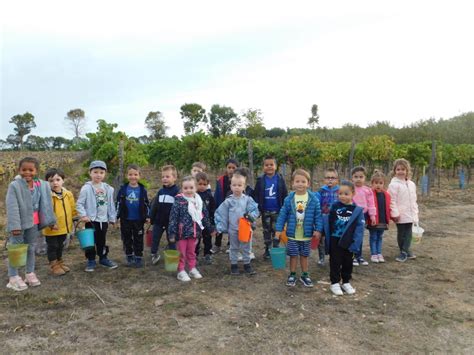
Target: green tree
{"type": "Point", "coordinates": [222, 120]}
{"type": "Point", "coordinates": [155, 123]}
{"type": "Point", "coordinates": [24, 124]}
{"type": "Point", "coordinates": [254, 127]}
{"type": "Point", "coordinates": [76, 120]}
{"type": "Point", "coordinates": [193, 115]}
{"type": "Point", "coordinates": [313, 121]}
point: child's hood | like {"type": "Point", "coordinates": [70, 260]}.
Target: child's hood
{"type": "Point", "coordinates": [330, 189]}
{"type": "Point", "coordinates": [397, 180]}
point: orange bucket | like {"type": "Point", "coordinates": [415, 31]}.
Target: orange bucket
{"type": "Point", "coordinates": [283, 236]}
{"type": "Point", "coordinates": [245, 230]}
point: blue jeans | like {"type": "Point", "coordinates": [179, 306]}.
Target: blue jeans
{"type": "Point", "coordinates": [29, 237]}
{"type": "Point", "coordinates": [376, 241]}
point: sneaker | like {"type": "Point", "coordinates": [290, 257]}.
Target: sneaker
{"type": "Point", "coordinates": [183, 276]}
{"type": "Point", "coordinates": [16, 283]}
{"type": "Point", "coordinates": [362, 261]}
{"type": "Point", "coordinates": [336, 289]}
{"type": "Point", "coordinates": [410, 255]}
{"type": "Point", "coordinates": [234, 270]}
{"type": "Point", "coordinates": [138, 262]}
{"type": "Point", "coordinates": [91, 264]}
{"type": "Point", "coordinates": [355, 262]}
{"type": "Point", "coordinates": [195, 273]}
{"type": "Point", "coordinates": [240, 257]}
{"type": "Point", "coordinates": [291, 281]}
{"type": "Point", "coordinates": [227, 251]}
{"type": "Point", "coordinates": [306, 281]}
{"type": "Point", "coordinates": [321, 262]}
{"type": "Point", "coordinates": [248, 269]}
{"type": "Point", "coordinates": [208, 259]}
{"type": "Point", "coordinates": [215, 249]}
{"type": "Point", "coordinates": [252, 255]}
{"type": "Point", "coordinates": [402, 257]}
{"type": "Point", "coordinates": [32, 280]}
{"type": "Point", "coordinates": [155, 258]}
{"type": "Point", "coordinates": [108, 263]}
{"type": "Point", "coordinates": [347, 288]}
{"type": "Point", "coordinates": [374, 258]}
{"type": "Point", "coordinates": [130, 260]}
{"type": "Point", "coordinates": [266, 254]}
{"type": "Point", "coordinates": [381, 258]}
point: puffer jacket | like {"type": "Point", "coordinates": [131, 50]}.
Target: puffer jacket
{"type": "Point", "coordinates": [64, 210]}
{"type": "Point", "coordinates": [403, 200]}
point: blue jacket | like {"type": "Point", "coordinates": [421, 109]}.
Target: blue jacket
{"type": "Point", "coordinates": [259, 191]}
{"type": "Point", "coordinates": [312, 216]}
{"type": "Point", "coordinates": [327, 196]}
{"type": "Point", "coordinates": [352, 235]}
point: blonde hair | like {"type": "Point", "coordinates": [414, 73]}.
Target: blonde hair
{"type": "Point", "coordinates": [377, 175]}
{"type": "Point", "coordinates": [170, 168]}
{"type": "Point", "coordinates": [403, 162]}
{"type": "Point", "coordinates": [188, 178]}
{"type": "Point", "coordinates": [301, 172]}
{"type": "Point", "coordinates": [200, 165]}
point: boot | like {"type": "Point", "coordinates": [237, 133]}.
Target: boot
{"type": "Point", "coordinates": [63, 266]}
{"type": "Point", "coordinates": [56, 269]}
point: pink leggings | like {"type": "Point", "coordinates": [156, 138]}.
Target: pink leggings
{"type": "Point", "coordinates": [186, 248]}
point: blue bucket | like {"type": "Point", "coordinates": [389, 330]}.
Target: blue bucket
{"type": "Point", "coordinates": [86, 238]}
{"type": "Point", "coordinates": [278, 256]}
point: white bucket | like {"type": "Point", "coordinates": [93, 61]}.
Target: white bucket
{"type": "Point", "coordinates": [417, 232]}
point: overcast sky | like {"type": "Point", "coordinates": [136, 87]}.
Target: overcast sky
{"type": "Point", "coordinates": [360, 61]}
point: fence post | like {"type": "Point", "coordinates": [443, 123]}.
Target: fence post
{"type": "Point", "coordinates": [250, 152]}
{"type": "Point", "coordinates": [351, 159]}
{"type": "Point", "coordinates": [431, 169]}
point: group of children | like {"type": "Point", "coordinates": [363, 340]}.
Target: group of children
{"type": "Point", "coordinates": [335, 216]}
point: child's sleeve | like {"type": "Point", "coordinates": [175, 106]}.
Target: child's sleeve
{"type": "Point", "coordinates": [154, 207]}
{"type": "Point", "coordinates": [206, 222]}
{"type": "Point", "coordinates": [392, 190]}
{"type": "Point", "coordinates": [318, 217]}
{"type": "Point", "coordinates": [118, 204]}
{"type": "Point", "coordinates": [221, 218]}
{"type": "Point", "coordinates": [415, 204]}
{"type": "Point", "coordinates": [147, 204]}
{"type": "Point", "coordinates": [212, 208]}
{"type": "Point", "coordinates": [112, 212]}
{"type": "Point", "coordinates": [13, 210]}
{"type": "Point", "coordinates": [252, 208]}
{"type": "Point", "coordinates": [370, 202]}
{"type": "Point", "coordinates": [358, 235]}
{"type": "Point", "coordinates": [174, 220]}
{"type": "Point", "coordinates": [284, 188]}
{"type": "Point", "coordinates": [80, 204]}
{"type": "Point", "coordinates": [72, 202]}
{"type": "Point", "coordinates": [282, 216]}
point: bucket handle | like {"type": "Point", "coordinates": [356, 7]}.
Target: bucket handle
{"type": "Point", "coordinates": [79, 222]}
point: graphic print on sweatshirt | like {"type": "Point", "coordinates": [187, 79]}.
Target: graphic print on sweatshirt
{"type": "Point", "coordinates": [343, 215]}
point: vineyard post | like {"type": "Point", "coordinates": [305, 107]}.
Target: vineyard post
{"type": "Point", "coordinates": [250, 152]}
{"type": "Point", "coordinates": [119, 178]}
{"type": "Point", "coordinates": [432, 164]}
{"type": "Point", "coordinates": [351, 158]}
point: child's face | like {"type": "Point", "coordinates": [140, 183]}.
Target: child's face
{"type": "Point", "coordinates": [345, 194]}
{"type": "Point", "coordinates": [56, 182]}
{"type": "Point", "coordinates": [230, 168]}
{"type": "Point", "coordinates": [133, 176]}
{"type": "Point", "coordinates": [189, 188]}
{"type": "Point", "coordinates": [377, 185]}
{"type": "Point", "coordinates": [195, 170]}
{"type": "Point", "coordinates": [269, 167]}
{"type": "Point", "coordinates": [97, 175]}
{"type": "Point", "coordinates": [168, 178]}
{"type": "Point", "coordinates": [300, 184]}
{"type": "Point", "coordinates": [330, 179]}
{"type": "Point", "coordinates": [237, 185]}
{"type": "Point", "coordinates": [27, 171]}
{"type": "Point", "coordinates": [358, 178]}
{"type": "Point", "coordinates": [202, 185]}
{"type": "Point", "coordinates": [401, 172]}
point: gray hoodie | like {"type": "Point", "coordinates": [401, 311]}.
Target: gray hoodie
{"type": "Point", "coordinates": [19, 206]}
{"type": "Point", "coordinates": [86, 204]}
{"type": "Point", "coordinates": [229, 212]}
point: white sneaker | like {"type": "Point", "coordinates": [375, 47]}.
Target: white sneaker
{"type": "Point", "coordinates": [16, 283]}
{"type": "Point", "coordinates": [227, 251]}
{"type": "Point", "coordinates": [252, 255]}
{"type": "Point", "coordinates": [381, 258]}
{"type": "Point", "coordinates": [195, 273]}
{"type": "Point", "coordinates": [374, 258]}
{"type": "Point", "coordinates": [183, 276]}
{"type": "Point", "coordinates": [336, 289]}
{"type": "Point", "coordinates": [347, 288]}
{"type": "Point", "coordinates": [240, 257]}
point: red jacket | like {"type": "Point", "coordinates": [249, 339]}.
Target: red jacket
{"type": "Point", "coordinates": [387, 208]}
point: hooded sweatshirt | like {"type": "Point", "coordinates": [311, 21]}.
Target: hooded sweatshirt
{"type": "Point", "coordinates": [228, 214]}
{"type": "Point", "coordinates": [403, 200]}
{"type": "Point", "coordinates": [86, 204]}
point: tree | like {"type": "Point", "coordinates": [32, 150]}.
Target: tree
{"type": "Point", "coordinates": [193, 115]}
{"type": "Point", "coordinates": [254, 127]}
{"type": "Point", "coordinates": [222, 120]}
{"type": "Point", "coordinates": [14, 141]}
{"type": "Point", "coordinates": [76, 119]}
{"type": "Point", "coordinates": [155, 123]}
{"type": "Point", "coordinates": [313, 121]}
{"type": "Point", "coordinates": [24, 124]}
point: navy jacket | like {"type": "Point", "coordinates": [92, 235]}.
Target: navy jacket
{"type": "Point", "coordinates": [209, 203]}
{"type": "Point", "coordinates": [143, 203]}
{"type": "Point", "coordinates": [259, 191]}
{"type": "Point", "coordinates": [161, 206]}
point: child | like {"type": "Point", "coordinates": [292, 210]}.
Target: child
{"type": "Point", "coordinates": [188, 219]}
{"type": "Point", "coordinates": [344, 230]}
{"type": "Point", "coordinates": [327, 195]}
{"type": "Point", "coordinates": [29, 209]}
{"type": "Point", "coordinates": [403, 206]}
{"type": "Point", "coordinates": [210, 205]}
{"type": "Point", "coordinates": [382, 216]}
{"type": "Point", "coordinates": [269, 193]}
{"type": "Point", "coordinates": [65, 210]}
{"type": "Point", "coordinates": [222, 191]}
{"type": "Point", "coordinates": [133, 210]}
{"type": "Point", "coordinates": [302, 215]}
{"type": "Point", "coordinates": [161, 208]}
{"type": "Point", "coordinates": [227, 218]}
{"type": "Point", "coordinates": [96, 207]}
{"type": "Point", "coordinates": [197, 167]}
{"type": "Point", "coordinates": [364, 198]}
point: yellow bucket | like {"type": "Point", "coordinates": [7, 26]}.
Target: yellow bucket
{"type": "Point", "coordinates": [17, 254]}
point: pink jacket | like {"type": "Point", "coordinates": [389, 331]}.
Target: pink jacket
{"type": "Point", "coordinates": [403, 203]}
{"type": "Point", "coordinates": [364, 197]}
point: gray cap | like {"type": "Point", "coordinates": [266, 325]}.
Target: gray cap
{"type": "Point", "coordinates": [97, 164]}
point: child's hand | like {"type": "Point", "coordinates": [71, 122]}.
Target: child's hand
{"type": "Point", "coordinates": [172, 239]}
{"type": "Point", "coordinates": [396, 219]}
{"type": "Point", "coordinates": [16, 232]}
{"type": "Point", "coordinates": [147, 220]}
{"type": "Point", "coordinates": [213, 234]}
{"type": "Point", "coordinates": [277, 235]}
{"type": "Point", "coordinates": [54, 227]}
{"type": "Point", "coordinates": [373, 220]}
{"type": "Point", "coordinates": [85, 219]}
{"type": "Point", "coordinates": [317, 234]}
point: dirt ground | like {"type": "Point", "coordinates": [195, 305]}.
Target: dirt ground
{"type": "Point", "coordinates": [423, 305]}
